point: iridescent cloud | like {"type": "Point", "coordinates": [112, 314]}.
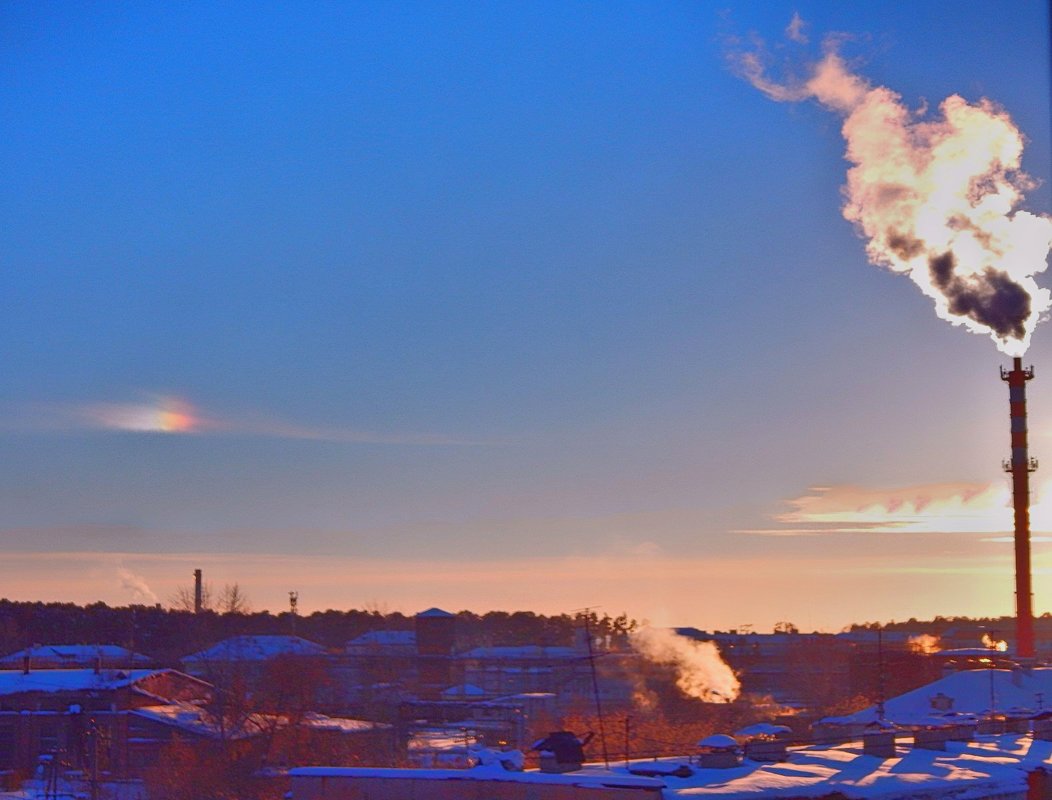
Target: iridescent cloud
{"type": "Point", "coordinates": [159, 415]}
{"type": "Point", "coordinates": [168, 414]}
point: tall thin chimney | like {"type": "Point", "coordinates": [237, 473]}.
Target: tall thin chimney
{"type": "Point", "coordinates": [1020, 466]}
{"type": "Point", "coordinates": [198, 598]}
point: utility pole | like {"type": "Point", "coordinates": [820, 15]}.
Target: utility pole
{"type": "Point", "coordinates": [880, 673]}
{"type": "Point", "coordinates": [595, 689]}
{"type": "Point", "coordinates": [628, 726]}
{"type": "Point", "coordinates": [93, 732]}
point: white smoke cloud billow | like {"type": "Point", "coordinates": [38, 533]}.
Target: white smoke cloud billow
{"type": "Point", "coordinates": [700, 670]}
{"type": "Point", "coordinates": [937, 199]}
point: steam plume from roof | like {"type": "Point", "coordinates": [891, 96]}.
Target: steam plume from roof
{"type": "Point", "coordinates": [935, 198]}
{"type": "Point", "coordinates": [700, 670]}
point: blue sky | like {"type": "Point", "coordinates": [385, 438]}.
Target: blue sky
{"type": "Point", "coordinates": [468, 287]}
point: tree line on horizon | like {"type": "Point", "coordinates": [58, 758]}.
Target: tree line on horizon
{"type": "Point", "coordinates": [167, 634]}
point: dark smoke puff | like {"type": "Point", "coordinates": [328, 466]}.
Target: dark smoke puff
{"type": "Point", "coordinates": [991, 298]}
{"type": "Point", "coordinates": [997, 301]}
{"type": "Point", "coordinates": [942, 268]}
{"type": "Point", "coordinates": [905, 247]}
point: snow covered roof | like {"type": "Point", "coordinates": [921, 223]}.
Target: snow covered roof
{"type": "Point", "coordinates": [322, 722]}
{"type": "Point", "coordinates": [989, 767]}
{"type": "Point", "coordinates": [256, 648]}
{"type": "Point", "coordinates": [75, 655]}
{"type": "Point", "coordinates": [764, 729]}
{"type": "Point", "coordinates": [524, 652]}
{"type": "Point", "coordinates": [435, 612]}
{"type": "Point", "coordinates": [993, 766]}
{"type": "Point", "coordinates": [16, 681]}
{"type": "Point", "coordinates": [591, 777]}
{"type": "Point", "coordinates": [970, 652]}
{"type": "Point", "coordinates": [194, 719]}
{"type": "Point", "coordinates": [527, 696]}
{"type": "Point", "coordinates": [972, 691]}
{"type": "Point", "coordinates": [464, 690]}
{"type": "Point", "coordinates": [437, 739]}
{"type": "Point", "coordinates": [718, 741]}
{"type": "Point", "coordinates": [383, 639]}
{"type": "Point", "coordinates": [873, 635]}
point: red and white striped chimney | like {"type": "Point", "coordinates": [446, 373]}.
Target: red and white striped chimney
{"type": "Point", "coordinates": [1020, 466]}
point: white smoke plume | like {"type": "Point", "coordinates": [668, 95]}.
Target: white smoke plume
{"type": "Point", "coordinates": [700, 670]}
{"type": "Point", "coordinates": [936, 198]}
{"type": "Point", "coordinates": [137, 585]}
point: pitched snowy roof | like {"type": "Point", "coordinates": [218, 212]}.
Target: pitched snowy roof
{"type": "Point", "coordinates": [972, 691]}
{"type": "Point", "coordinates": [718, 741]}
{"type": "Point", "coordinates": [256, 648]}
{"type": "Point", "coordinates": [384, 639]}
{"type": "Point", "coordinates": [764, 729]}
{"type": "Point", "coordinates": [15, 681]}
{"type": "Point", "coordinates": [196, 720]}
{"type": "Point", "coordinates": [75, 654]}
{"type": "Point", "coordinates": [435, 612]}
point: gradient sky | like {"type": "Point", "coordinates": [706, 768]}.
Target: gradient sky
{"type": "Point", "coordinates": [490, 305]}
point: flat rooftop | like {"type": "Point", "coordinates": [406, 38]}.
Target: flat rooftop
{"type": "Point", "coordinates": [990, 766]}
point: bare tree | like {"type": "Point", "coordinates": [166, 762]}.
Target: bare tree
{"type": "Point", "coordinates": [233, 600]}
{"type": "Point", "coordinates": [183, 598]}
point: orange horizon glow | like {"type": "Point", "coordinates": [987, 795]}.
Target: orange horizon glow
{"type": "Point", "coordinates": [663, 590]}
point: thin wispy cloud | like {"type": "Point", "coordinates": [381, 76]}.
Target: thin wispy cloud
{"type": "Point", "coordinates": [796, 31]}
{"type": "Point", "coordinates": [177, 416]}
{"type": "Point", "coordinates": [927, 508]}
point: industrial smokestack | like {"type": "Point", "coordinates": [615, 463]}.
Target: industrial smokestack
{"type": "Point", "coordinates": [198, 592]}
{"type": "Point", "coordinates": [1020, 466]}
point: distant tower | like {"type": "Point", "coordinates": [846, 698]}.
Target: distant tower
{"type": "Point", "coordinates": [435, 640]}
{"type": "Point", "coordinates": [294, 599]}
{"type": "Point", "coordinates": [1020, 466]}
{"type": "Point", "coordinates": [198, 592]}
